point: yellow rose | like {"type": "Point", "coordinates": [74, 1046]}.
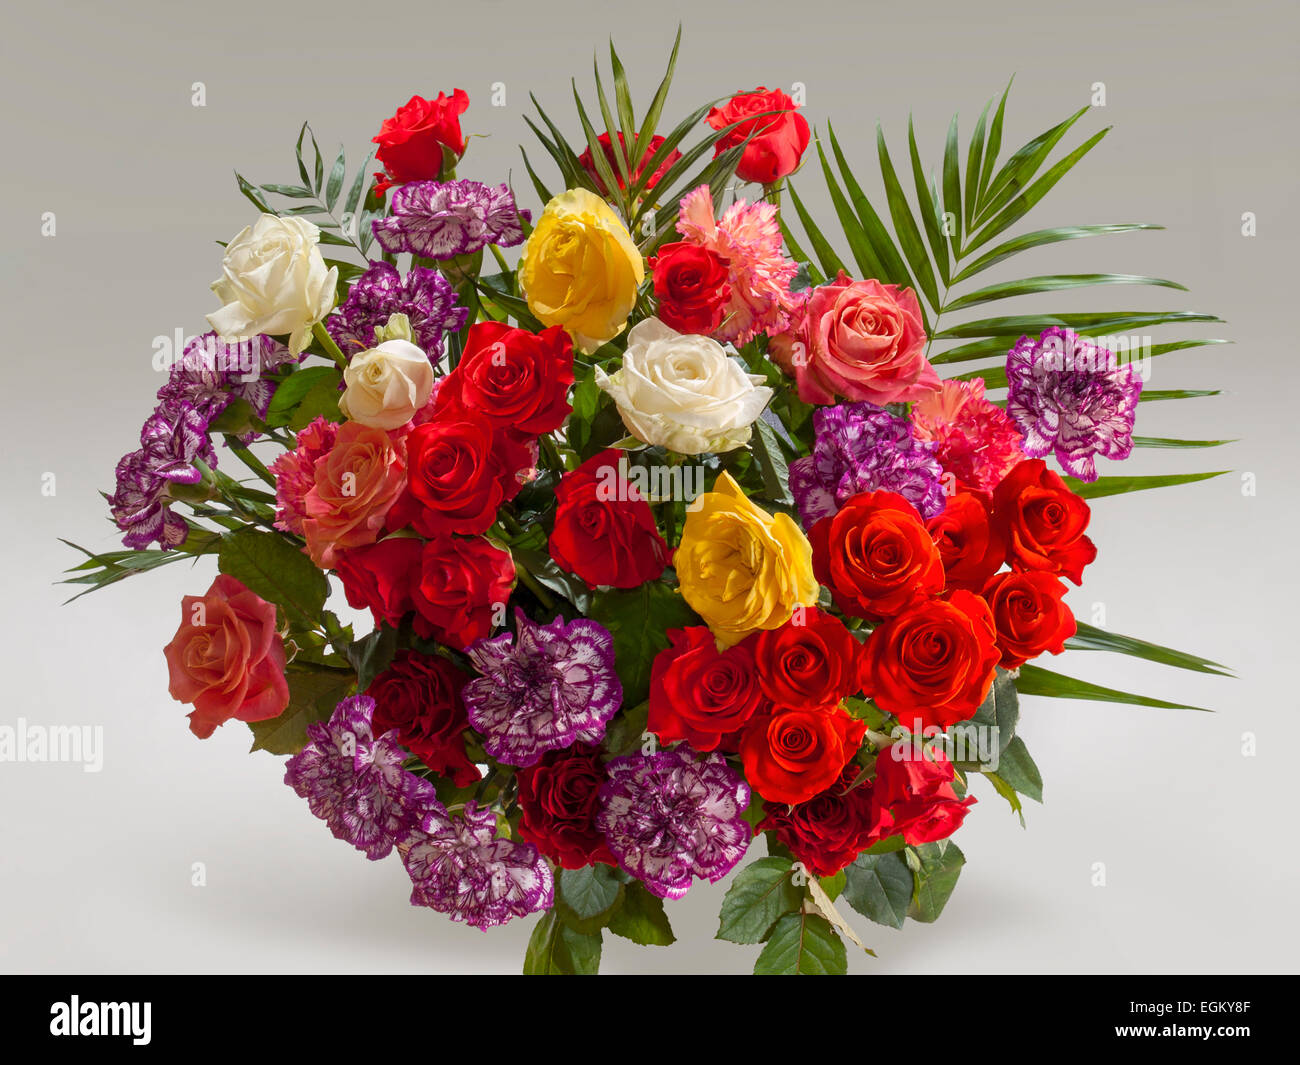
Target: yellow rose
{"type": "Point", "coordinates": [580, 269]}
{"type": "Point", "coordinates": [741, 568]}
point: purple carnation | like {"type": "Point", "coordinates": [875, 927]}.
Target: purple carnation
{"type": "Point", "coordinates": [172, 442]}
{"type": "Point", "coordinates": [1068, 395]}
{"type": "Point", "coordinates": [461, 867]}
{"type": "Point", "coordinates": [668, 817]}
{"type": "Point", "coordinates": [861, 447]}
{"type": "Point", "coordinates": [546, 689]}
{"type": "Point", "coordinates": [440, 220]}
{"type": "Point", "coordinates": [355, 783]}
{"type": "Point", "coordinates": [423, 295]}
{"type": "Point", "coordinates": [211, 371]}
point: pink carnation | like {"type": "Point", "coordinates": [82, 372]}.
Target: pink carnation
{"type": "Point", "coordinates": [295, 473]}
{"type": "Point", "coordinates": [748, 238]}
{"type": "Point", "coordinates": [976, 442]}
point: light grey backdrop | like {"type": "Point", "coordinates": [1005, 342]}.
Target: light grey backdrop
{"type": "Point", "coordinates": [1197, 839]}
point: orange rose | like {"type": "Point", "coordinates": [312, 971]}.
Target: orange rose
{"type": "Point", "coordinates": [356, 483]}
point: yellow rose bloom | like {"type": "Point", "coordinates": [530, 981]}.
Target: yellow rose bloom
{"type": "Point", "coordinates": [741, 568]}
{"type": "Point", "coordinates": [580, 269]}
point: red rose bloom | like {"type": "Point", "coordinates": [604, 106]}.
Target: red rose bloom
{"type": "Point", "coordinates": [779, 140]}
{"type": "Point", "coordinates": [810, 662]}
{"type": "Point", "coordinates": [700, 694]}
{"type": "Point", "coordinates": [588, 163]}
{"type": "Point", "coordinates": [791, 755]}
{"type": "Point", "coordinates": [227, 658]}
{"type": "Point", "coordinates": [970, 544]}
{"type": "Point", "coordinates": [934, 663]}
{"type": "Point", "coordinates": [914, 797]}
{"type": "Point", "coordinates": [419, 696]}
{"type": "Point", "coordinates": [1028, 615]}
{"type": "Point", "coordinates": [1043, 521]}
{"type": "Point", "coordinates": [380, 577]}
{"type": "Point", "coordinates": [691, 286]}
{"type": "Point", "coordinates": [604, 531]}
{"type": "Point", "coordinates": [516, 379]}
{"type": "Point", "coordinates": [831, 829]}
{"type": "Point", "coordinates": [460, 469]}
{"type": "Point", "coordinates": [411, 143]}
{"type": "Point", "coordinates": [875, 556]}
{"type": "Point", "coordinates": [462, 591]}
{"type": "Point", "coordinates": [557, 798]}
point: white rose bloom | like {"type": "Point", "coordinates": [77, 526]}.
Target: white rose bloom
{"type": "Point", "coordinates": [386, 385]}
{"type": "Point", "coordinates": [274, 281]}
{"type": "Point", "coordinates": [683, 392]}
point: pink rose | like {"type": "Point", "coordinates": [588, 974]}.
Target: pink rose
{"type": "Point", "coordinates": [227, 658]}
{"type": "Point", "coordinates": [859, 340]}
{"type": "Point", "coordinates": [353, 487]}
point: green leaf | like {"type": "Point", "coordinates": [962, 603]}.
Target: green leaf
{"type": "Point", "coordinates": [802, 944]}
{"type": "Point", "coordinates": [1034, 680]}
{"type": "Point", "coordinates": [587, 898]}
{"type": "Point", "coordinates": [952, 185]}
{"type": "Point", "coordinates": [313, 694]}
{"type": "Point", "coordinates": [992, 148]}
{"type": "Point", "coordinates": [974, 158]}
{"type": "Point", "coordinates": [879, 886]}
{"type": "Point", "coordinates": [1091, 638]}
{"type": "Point", "coordinates": [321, 401]}
{"type": "Point", "coordinates": [771, 463]}
{"type": "Point", "coordinates": [1110, 486]}
{"type": "Point", "coordinates": [826, 257]}
{"type": "Point", "coordinates": [335, 184]}
{"type": "Point", "coordinates": [939, 867]}
{"type": "Point", "coordinates": [930, 212]}
{"type": "Point", "coordinates": [1155, 395]}
{"type": "Point", "coordinates": [1170, 442]}
{"type": "Point", "coordinates": [555, 949]}
{"type": "Point", "coordinates": [270, 566]}
{"type": "Point", "coordinates": [291, 391]}
{"type": "Point", "coordinates": [861, 246]}
{"type": "Point", "coordinates": [1000, 709]}
{"type": "Point", "coordinates": [250, 193]}
{"type": "Point", "coordinates": [623, 101]}
{"type": "Point", "coordinates": [623, 736]}
{"type": "Point", "coordinates": [639, 620]}
{"type": "Point", "coordinates": [1007, 792]}
{"type": "Point", "coordinates": [761, 894]}
{"type": "Point", "coordinates": [1017, 172]}
{"type": "Point", "coordinates": [1052, 283]}
{"type": "Point", "coordinates": [651, 121]}
{"type": "Point", "coordinates": [1019, 770]}
{"type": "Point", "coordinates": [642, 919]}
{"type": "Point", "coordinates": [372, 654]}
{"type": "Point", "coordinates": [1094, 322]}
{"type": "Point", "coordinates": [1041, 237]}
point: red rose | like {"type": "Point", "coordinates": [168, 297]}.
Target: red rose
{"type": "Point", "coordinates": [875, 556]}
{"type": "Point", "coordinates": [460, 469]}
{"type": "Point", "coordinates": [810, 662]}
{"type": "Point", "coordinates": [227, 658]}
{"type": "Point", "coordinates": [691, 286]}
{"type": "Point", "coordinates": [969, 542]}
{"type": "Point", "coordinates": [604, 531]}
{"type": "Point", "coordinates": [557, 798]}
{"type": "Point", "coordinates": [379, 577]}
{"type": "Point", "coordinates": [934, 663]}
{"type": "Point", "coordinates": [791, 755]}
{"type": "Point", "coordinates": [411, 143]}
{"type": "Point", "coordinates": [831, 829]}
{"type": "Point", "coordinates": [913, 794]}
{"type": "Point", "coordinates": [1028, 615]}
{"type": "Point", "coordinates": [588, 163]}
{"type": "Point", "coordinates": [700, 694]}
{"type": "Point", "coordinates": [778, 141]}
{"type": "Point", "coordinates": [1043, 521]}
{"type": "Point", "coordinates": [516, 379]}
{"type": "Point", "coordinates": [419, 696]}
{"type": "Point", "coordinates": [462, 591]}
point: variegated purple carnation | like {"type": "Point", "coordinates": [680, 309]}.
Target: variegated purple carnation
{"type": "Point", "coordinates": [668, 817]}
{"type": "Point", "coordinates": [172, 441]}
{"type": "Point", "coordinates": [440, 220]}
{"type": "Point", "coordinates": [546, 688]}
{"type": "Point", "coordinates": [461, 867]}
{"type": "Point", "coordinates": [355, 783]}
{"type": "Point", "coordinates": [423, 295]}
{"type": "Point", "coordinates": [1068, 395]}
{"type": "Point", "coordinates": [861, 447]}
{"type": "Point", "coordinates": [212, 371]}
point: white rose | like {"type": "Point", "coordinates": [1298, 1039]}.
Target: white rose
{"type": "Point", "coordinates": [386, 385]}
{"type": "Point", "coordinates": [683, 392]}
{"type": "Point", "coordinates": [274, 281]}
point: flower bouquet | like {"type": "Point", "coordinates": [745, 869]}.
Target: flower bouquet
{"type": "Point", "coordinates": [671, 550]}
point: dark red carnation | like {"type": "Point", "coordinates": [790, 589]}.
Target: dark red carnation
{"type": "Point", "coordinates": [970, 544]}
{"type": "Point", "coordinates": [419, 696]}
{"type": "Point", "coordinates": [605, 531]}
{"type": "Point", "coordinates": [700, 694]}
{"type": "Point", "coordinates": [776, 141]}
{"type": "Point", "coordinates": [810, 662]}
{"type": "Point", "coordinates": [557, 798]}
{"type": "Point", "coordinates": [691, 287]}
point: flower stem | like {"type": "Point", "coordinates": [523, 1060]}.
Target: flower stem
{"type": "Point", "coordinates": [327, 342]}
{"type": "Point", "coordinates": [530, 582]}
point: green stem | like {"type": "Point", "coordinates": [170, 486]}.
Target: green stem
{"type": "Point", "coordinates": [249, 459]}
{"type": "Point", "coordinates": [530, 582]}
{"type": "Point", "coordinates": [327, 342]}
{"type": "Point", "coordinates": [553, 458]}
{"type": "Point", "coordinates": [501, 259]}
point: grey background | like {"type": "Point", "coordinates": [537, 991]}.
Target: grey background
{"type": "Point", "coordinates": [95, 869]}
